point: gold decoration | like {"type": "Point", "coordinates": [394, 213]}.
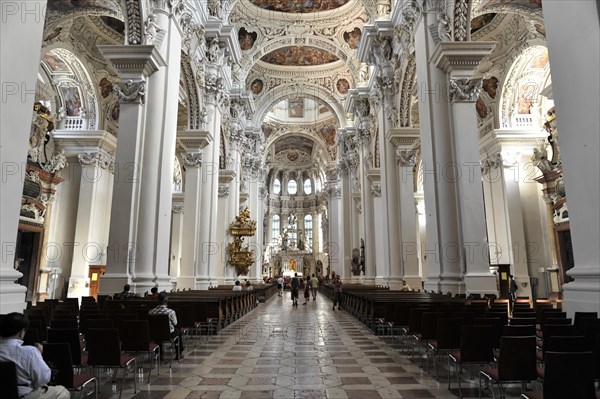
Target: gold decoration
{"type": "Point", "coordinates": [240, 255]}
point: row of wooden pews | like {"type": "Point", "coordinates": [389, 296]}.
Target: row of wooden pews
{"type": "Point", "coordinates": [375, 305]}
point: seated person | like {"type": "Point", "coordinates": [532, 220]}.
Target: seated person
{"type": "Point", "coordinates": [126, 293]}
{"type": "Point", "coordinates": [237, 286]}
{"type": "Point", "coordinates": [405, 286]}
{"type": "Point", "coordinates": [153, 293]}
{"type": "Point", "coordinates": [33, 374]}
{"type": "Point", "coordinates": [175, 330]}
{"type": "Point", "coordinates": [249, 286]}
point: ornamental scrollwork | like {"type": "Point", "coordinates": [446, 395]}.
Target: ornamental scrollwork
{"type": "Point", "coordinates": [376, 189]}
{"type": "Point", "coordinates": [130, 91]}
{"type": "Point", "coordinates": [192, 159]}
{"type": "Point", "coordinates": [492, 162]}
{"type": "Point", "coordinates": [464, 90]}
{"type": "Point", "coordinates": [461, 10]}
{"type": "Point", "coordinates": [134, 22]}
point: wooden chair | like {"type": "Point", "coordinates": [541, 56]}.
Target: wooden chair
{"type": "Point", "coordinates": [104, 350]}
{"type": "Point", "coordinates": [59, 356]}
{"type": "Point", "coordinates": [8, 375]}
{"type": "Point", "coordinates": [567, 375]}
{"type": "Point", "coordinates": [70, 337]}
{"type": "Point", "coordinates": [135, 338]}
{"type": "Point", "coordinates": [475, 348]}
{"type": "Point", "coordinates": [160, 333]}
{"type": "Point", "coordinates": [447, 339]}
{"type": "Point", "coordinates": [518, 331]}
{"type": "Point", "coordinates": [517, 363]}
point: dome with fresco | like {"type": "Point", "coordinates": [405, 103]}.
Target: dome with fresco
{"type": "Point", "coordinates": [299, 6]}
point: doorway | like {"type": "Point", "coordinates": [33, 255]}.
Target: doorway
{"type": "Point", "coordinates": [27, 258]}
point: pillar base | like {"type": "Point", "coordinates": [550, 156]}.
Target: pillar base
{"type": "Point", "coordinates": [481, 283]}
{"type": "Point", "coordinates": [202, 283]}
{"type": "Point", "coordinates": [144, 282]}
{"type": "Point", "coordinates": [13, 297]}
{"type": "Point", "coordinates": [78, 287]}
{"type": "Point", "coordinates": [582, 295]}
{"type": "Point", "coordinates": [395, 283]}
{"type": "Point", "coordinates": [112, 283]}
{"type": "Point", "coordinates": [163, 283]}
{"type": "Point", "coordinates": [186, 282]}
{"type": "Point", "coordinates": [383, 281]}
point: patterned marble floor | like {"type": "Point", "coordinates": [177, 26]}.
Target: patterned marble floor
{"type": "Point", "coordinates": [278, 351]}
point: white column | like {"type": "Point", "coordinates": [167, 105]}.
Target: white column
{"type": "Point", "coordinates": [460, 59]}
{"type": "Point", "coordinates": [135, 64]}
{"type": "Point", "coordinates": [91, 229]}
{"type": "Point", "coordinates": [576, 53]}
{"type": "Point", "coordinates": [442, 251]}
{"type": "Point", "coordinates": [346, 234]}
{"type": "Point", "coordinates": [226, 177]}
{"type": "Point", "coordinates": [157, 163]}
{"type": "Point", "coordinates": [177, 220]}
{"type": "Point", "coordinates": [194, 142]}
{"type": "Point", "coordinates": [336, 223]}
{"type": "Point", "coordinates": [21, 39]}
{"type": "Point", "coordinates": [210, 247]}
{"type": "Point", "coordinates": [406, 141]}
{"type": "Point", "coordinates": [368, 211]}
{"type": "Point", "coordinates": [378, 272]}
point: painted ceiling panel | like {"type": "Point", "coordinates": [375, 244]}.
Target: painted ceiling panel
{"type": "Point", "coordinates": [294, 142]}
{"type": "Point", "coordinates": [299, 56]}
{"type": "Point", "coordinates": [299, 6]}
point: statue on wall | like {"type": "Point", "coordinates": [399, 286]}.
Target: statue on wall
{"type": "Point", "coordinates": [301, 245]}
{"type": "Point", "coordinates": [284, 240]}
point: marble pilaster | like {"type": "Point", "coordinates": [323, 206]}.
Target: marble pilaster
{"type": "Point", "coordinates": [193, 142]}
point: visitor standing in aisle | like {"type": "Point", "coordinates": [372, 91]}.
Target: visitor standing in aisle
{"type": "Point", "coordinates": [295, 284]}
{"type": "Point", "coordinates": [337, 292]}
{"type": "Point", "coordinates": [314, 286]}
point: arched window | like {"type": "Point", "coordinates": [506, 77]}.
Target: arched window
{"type": "Point", "coordinates": [292, 187]}
{"type": "Point", "coordinates": [276, 187]}
{"type": "Point", "coordinates": [318, 185]}
{"type": "Point", "coordinates": [275, 227]}
{"type": "Point", "coordinates": [307, 187]}
{"type": "Point", "coordinates": [308, 230]}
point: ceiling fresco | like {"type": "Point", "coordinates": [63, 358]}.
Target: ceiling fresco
{"type": "Point", "coordinates": [65, 5]}
{"type": "Point", "coordinates": [299, 6]}
{"type": "Point", "coordinates": [481, 21]}
{"type": "Point", "coordinates": [293, 142]}
{"type": "Point", "coordinates": [328, 133]}
{"type": "Point", "coordinates": [299, 56]}
{"type": "Point", "coordinates": [533, 4]}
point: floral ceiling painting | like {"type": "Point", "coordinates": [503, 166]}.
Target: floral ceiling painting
{"type": "Point", "coordinates": [292, 142]}
{"type": "Point", "coordinates": [65, 5]}
{"type": "Point", "coordinates": [328, 133]}
{"type": "Point", "coordinates": [299, 6]}
{"type": "Point", "coordinates": [299, 56]}
{"type": "Point", "coordinates": [533, 4]}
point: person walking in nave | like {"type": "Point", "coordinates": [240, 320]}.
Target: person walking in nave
{"type": "Point", "coordinates": [314, 286]}
{"type": "Point", "coordinates": [306, 290]}
{"type": "Point", "coordinates": [280, 284]}
{"type": "Point", "coordinates": [295, 284]}
{"type": "Point", "coordinates": [337, 292]}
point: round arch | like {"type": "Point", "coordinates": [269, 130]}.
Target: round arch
{"type": "Point", "coordinates": [313, 41]}
{"type": "Point", "coordinates": [298, 131]}
{"type": "Point", "coordinates": [519, 105]}
{"type": "Point", "coordinates": [312, 91]}
{"type": "Point", "coordinates": [78, 76]}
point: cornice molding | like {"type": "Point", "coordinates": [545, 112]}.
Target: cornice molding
{"type": "Point", "coordinates": [460, 59]}
{"type": "Point", "coordinates": [194, 140]}
{"type": "Point", "coordinates": [133, 62]}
